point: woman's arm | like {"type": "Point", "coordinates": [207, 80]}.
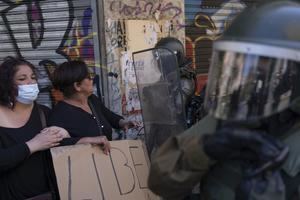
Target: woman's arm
{"type": "Point", "coordinates": [47, 138]}
{"type": "Point", "coordinates": [110, 116]}
{"type": "Point", "coordinates": [127, 124]}
{"type": "Point", "coordinates": [13, 156]}
{"type": "Point", "coordinates": [116, 121]}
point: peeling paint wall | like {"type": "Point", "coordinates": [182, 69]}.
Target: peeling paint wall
{"type": "Point", "coordinates": [161, 18]}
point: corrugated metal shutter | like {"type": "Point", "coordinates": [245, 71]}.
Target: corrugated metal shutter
{"type": "Point", "coordinates": [205, 21]}
{"type": "Point", "coordinates": [49, 32]}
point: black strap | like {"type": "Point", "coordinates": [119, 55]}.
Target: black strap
{"type": "Point", "coordinates": [91, 105]}
{"type": "Point", "coordinates": [42, 116]}
{"type": "Point", "coordinates": [47, 156]}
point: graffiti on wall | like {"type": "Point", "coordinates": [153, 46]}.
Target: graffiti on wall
{"type": "Point", "coordinates": [46, 33]}
{"type": "Point", "coordinates": [208, 23]}
{"type": "Point", "coordinates": [142, 7]}
{"type": "Point", "coordinates": [79, 44]}
{"type": "Point", "coordinates": [123, 94]}
{"type": "Point", "coordinates": [116, 32]}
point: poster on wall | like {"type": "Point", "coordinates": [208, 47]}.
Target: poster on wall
{"type": "Point", "coordinates": [132, 102]}
{"type": "Point", "coordinates": [85, 172]}
{"type": "Point", "coordinates": [141, 34]}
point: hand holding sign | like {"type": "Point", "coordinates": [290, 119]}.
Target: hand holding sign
{"type": "Point", "coordinates": [102, 141]}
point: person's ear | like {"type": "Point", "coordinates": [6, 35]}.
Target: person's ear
{"type": "Point", "coordinates": [77, 86]}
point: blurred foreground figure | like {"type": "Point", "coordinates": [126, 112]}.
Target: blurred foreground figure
{"type": "Point", "coordinates": [248, 145]}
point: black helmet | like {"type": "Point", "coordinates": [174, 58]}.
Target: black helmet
{"type": "Point", "coordinates": [255, 70]}
{"type": "Point", "coordinates": [174, 45]}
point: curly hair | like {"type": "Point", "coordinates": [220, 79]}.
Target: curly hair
{"type": "Point", "coordinates": [8, 88]}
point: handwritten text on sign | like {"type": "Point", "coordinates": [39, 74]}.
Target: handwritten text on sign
{"type": "Point", "coordinates": [83, 172]}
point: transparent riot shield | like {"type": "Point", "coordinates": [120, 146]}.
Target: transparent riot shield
{"type": "Point", "coordinates": [158, 83]}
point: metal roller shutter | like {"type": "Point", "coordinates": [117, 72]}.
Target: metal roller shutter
{"type": "Point", "coordinates": [205, 21]}
{"type": "Point", "coordinates": [48, 33]}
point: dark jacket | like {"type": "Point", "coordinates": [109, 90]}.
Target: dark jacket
{"type": "Point", "coordinates": [180, 163]}
{"type": "Point", "coordinates": [80, 123]}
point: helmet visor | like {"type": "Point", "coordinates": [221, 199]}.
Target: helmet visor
{"type": "Point", "coordinates": [246, 86]}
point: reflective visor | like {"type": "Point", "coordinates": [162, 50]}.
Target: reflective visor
{"type": "Point", "coordinates": [243, 86]}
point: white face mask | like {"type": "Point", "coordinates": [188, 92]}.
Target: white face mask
{"type": "Point", "coordinates": [27, 93]}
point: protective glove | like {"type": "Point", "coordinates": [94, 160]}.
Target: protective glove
{"type": "Point", "coordinates": [243, 144]}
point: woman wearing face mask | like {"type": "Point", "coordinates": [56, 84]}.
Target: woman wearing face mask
{"type": "Point", "coordinates": [81, 113]}
{"type": "Point", "coordinates": [24, 165]}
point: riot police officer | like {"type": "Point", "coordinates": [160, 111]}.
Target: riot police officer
{"type": "Point", "coordinates": [193, 102]}
{"type": "Point", "coordinates": [247, 147]}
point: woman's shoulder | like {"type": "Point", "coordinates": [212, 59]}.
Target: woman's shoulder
{"type": "Point", "coordinates": [62, 108]}
{"type": "Point", "coordinates": [61, 112]}
{"type": "Point", "coordinates": [94, 98]}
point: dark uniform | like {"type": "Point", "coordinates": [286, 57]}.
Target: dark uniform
{"type": "Point", "coordinates": [247, 147]}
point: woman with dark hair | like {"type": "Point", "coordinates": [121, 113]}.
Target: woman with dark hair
{"type": "Point", "coordinates": [81, 113]}
{"type": "Point", "coordinates": [25, 166]}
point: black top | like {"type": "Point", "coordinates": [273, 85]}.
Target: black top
{"type": "Point", "coordinates": [23, 175]}
{"type": "Point", "coordinates": [80, 123]}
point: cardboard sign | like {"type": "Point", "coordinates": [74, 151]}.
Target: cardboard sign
{"type": "Point", "coordinates": [84, 172]}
